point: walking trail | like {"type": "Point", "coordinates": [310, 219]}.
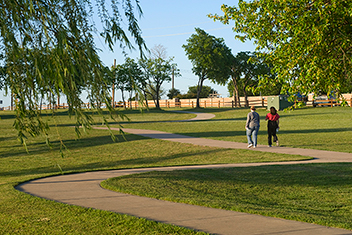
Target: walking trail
{"type": "Point", "coordinates": [84, 190]}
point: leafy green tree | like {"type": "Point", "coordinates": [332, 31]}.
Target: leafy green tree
{"type": "Point", "coordinates": [193, 90]}
{"type": "Point", "coordinates": [125, 76]}
{"type": "Point", "coordinates": [156, 71]}
{"type": "Point", "coordinates": [308, 42]}
{"type": "Point", "coordinates": [210, 58]}
{"type": "Point", "coordinates": [247, 68]}
{"type": "Point", "coordinates": [151, 92]}
{"type": "Point", "coordinates": [173, 93]}
{"type": "Point", "coordinates": [206, 91]}
{"type": "Point", "coordinates": [48, 46]}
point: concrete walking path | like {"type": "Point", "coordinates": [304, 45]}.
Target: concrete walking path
{"type": "Point", "coordinates": [84, 189]}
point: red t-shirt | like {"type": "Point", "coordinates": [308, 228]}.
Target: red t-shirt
{"type": "Point", "coordinates": [271, 117]}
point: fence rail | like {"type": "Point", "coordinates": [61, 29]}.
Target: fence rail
{"type": "Point", "coordinates": [204, 103]}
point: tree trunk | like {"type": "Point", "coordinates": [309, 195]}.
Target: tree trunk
{"type": "Point", "coordinates": [236, 92]}
{"type": "Point", "coordinates": [246, 98]}
{"type": "Point", "coordinates": [157, 105]}
{"type": "Point", "coordinates": [245, 92]}
{"type": "Point", "coordinates": [145, 98]}
{"type": "Point", "coordinates": [58, 101]}
{"type": "Point", "coordinates": [245, 95]}
{"type": "Point", "coordinates": [199, 90]}
{"type": "Point", "coordinates": [123, 99]}
{"type": "Point", "coordinates": [130, 99]}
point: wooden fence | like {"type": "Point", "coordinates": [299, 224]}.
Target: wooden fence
{"type": "Point", "coordinates": [204, 103]}
{"type": "Point", "coordinates": [258, 101]}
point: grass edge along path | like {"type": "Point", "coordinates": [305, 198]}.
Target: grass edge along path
{"type": "Point", "coordinates": [312, 193]}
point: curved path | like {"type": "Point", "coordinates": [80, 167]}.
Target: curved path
{"type": "Point", "coordinates": [84, 189]}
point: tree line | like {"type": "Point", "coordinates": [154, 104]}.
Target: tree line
{"type": "Point", "coordinates": [211, 59]}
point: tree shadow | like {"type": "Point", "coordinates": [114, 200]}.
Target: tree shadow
{"type": "Point", "coordinates": [261, 132]}
{"type": "Point", "coordinates": [71, 144]}
{"type": "Point", "coordinates": [307, 175]}
{"type": "Point", "coordinates": [114, 163]}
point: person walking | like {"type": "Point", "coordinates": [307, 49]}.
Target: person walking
{"type": "Point", "coordinates": [252, 127]}
{"type": "Point", "coordinates": [273, 126]}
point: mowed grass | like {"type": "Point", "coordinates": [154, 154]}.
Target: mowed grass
{"type": "Point", "coordinates": [21, 213]}
{"type": "Point", "coordinates": [313, 193]}
{"type": "Point", "coordinates": [313, 128]}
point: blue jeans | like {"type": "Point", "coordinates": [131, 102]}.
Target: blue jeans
{"type": "Point", "coordinates": [252, 132]}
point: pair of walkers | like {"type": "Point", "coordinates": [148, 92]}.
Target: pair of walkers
{"type": "Point", "coordinates": [253, 125]}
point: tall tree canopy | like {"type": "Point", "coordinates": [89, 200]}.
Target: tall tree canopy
{"type": "Point", "coordinates": [156, 71]}
{"type": "Point", "coordinates": [48, 46]}
{"type": "Point", "coordinates": [192, 92]}
{"type": "Point", "coordinates": [125, 75]}
{"type": "Point", "coordinates": [308, 42]}
{"type": "Point", "coordinates": [210, 58]}
{"type": "Point", "coordinates": [247, 68]}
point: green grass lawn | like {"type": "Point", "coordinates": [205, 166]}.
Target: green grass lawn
{"type": "Point", "coordinates": [24, 214]}
{"type": "Point", "coordinates": [314, 193]}
{"type": "Point", "coordinates": [313, 128]}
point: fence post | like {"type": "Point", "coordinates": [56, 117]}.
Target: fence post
{"type": "Point", "coordinates": [262, 101]}
{"type": "Point", "coordinates": [205, 103]}
{"type": "Point", "coordinates": [219, 104]}
{"type": "Point", "coordinates": [192, 104]}
{"type": "Point", "coordinates": [232, 103]}
{"type": "Point", "coordinates": [331, 103]}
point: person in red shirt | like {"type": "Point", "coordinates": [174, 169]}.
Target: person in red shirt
{"type": "Point", "coordinates": [273, 125]}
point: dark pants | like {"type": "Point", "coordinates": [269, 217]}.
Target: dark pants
{"type": "Point", "coordinates": [272, 126]}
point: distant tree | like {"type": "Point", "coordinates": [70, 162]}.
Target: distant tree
{"type": "Point", "coordinates": [155, 73]}
{"type": "Point", "coordinates": [158, 51]}
{"type": "Point", "coordinates": [206, 91]}
{"type": "Point", "coordinates": [193, 90]}
{"type": "Point", "coordinates": [210, 58]}
{"type": "Point", "coordinates": [173, 93]}
{"type": "Point", "coordinates": [151, 92]}
{"type": "Point", "coordinates": [247, 70]}
{"type": "Point", "coordinates": [125, 76]}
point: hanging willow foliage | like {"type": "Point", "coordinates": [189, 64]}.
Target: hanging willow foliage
{"type": "Point", "coordinates": [47, 47]}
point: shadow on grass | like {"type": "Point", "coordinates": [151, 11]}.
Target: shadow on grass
{"type": "Point", "coordinates": [326, 175]}
{"type": "Point", "coordinates": [262, 131]}
{"type": "Point", "coordinates": [71, 144]}
{"type": "Point", "coordinates": [7, 138]}
{"type": "Point", "coordinates": [113, 164]}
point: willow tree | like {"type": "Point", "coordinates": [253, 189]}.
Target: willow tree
{"type": "Point", "coordinates": [308, 42]}
{"type": "Point", "coordinates": [48, 45]}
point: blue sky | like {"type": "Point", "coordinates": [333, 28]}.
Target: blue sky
{"type": "Point", "coordinates": [171, 23]}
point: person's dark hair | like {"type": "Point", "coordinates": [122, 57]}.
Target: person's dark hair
{"type": "Point", "coordinates": [273, 110]}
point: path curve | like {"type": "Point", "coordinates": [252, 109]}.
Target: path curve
{"type": "Point", "coordinates": [199, 116]}
{"type": "Point", "coordinates": [84, 189]}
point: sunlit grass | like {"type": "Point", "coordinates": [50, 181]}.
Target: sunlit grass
{"type": "Point", "coordinates": [313, 193]}
{"type": "Point", "coordinates": [24, 214]}
{"type": "Point", "coordinates": [313, 128]}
